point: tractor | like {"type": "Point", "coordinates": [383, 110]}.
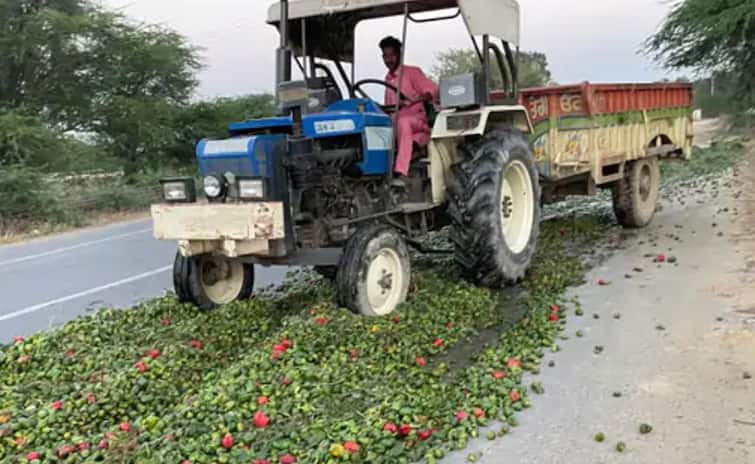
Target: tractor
{"type": "Point", "coordinates": [314, 186]}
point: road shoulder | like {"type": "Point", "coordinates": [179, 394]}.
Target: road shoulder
{"type": "Point", "coordinates": [678, 342]}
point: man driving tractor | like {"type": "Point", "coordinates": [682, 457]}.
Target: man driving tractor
{"type": "Point", "coordinates": [412, 125]}
{"type": "Point", "coordinates": [311, 186]}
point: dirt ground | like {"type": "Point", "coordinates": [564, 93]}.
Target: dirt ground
{"type": "Point", "coordinates": [678, 342]}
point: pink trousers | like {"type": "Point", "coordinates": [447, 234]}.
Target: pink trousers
{"type": "Point", "coordinates": [411, 129]}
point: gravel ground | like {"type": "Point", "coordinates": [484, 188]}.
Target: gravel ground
{"type": "Point", "coordinates": [678, 343]}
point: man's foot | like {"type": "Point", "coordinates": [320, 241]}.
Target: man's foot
{"type": "Point", "coordinates": [399, 182]}
{"type": "Point", "coordinates": [399, 188]}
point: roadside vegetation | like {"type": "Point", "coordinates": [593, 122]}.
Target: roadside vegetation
{"type": "Point", "coordinates": [714, 39]}
{"type": "Point", "coordinates": [723, 154]}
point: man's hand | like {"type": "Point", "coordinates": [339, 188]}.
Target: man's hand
{"type": "Point", "coordinates": [425, 97]}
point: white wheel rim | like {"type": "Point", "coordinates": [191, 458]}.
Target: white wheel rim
{"type": "Point", "coordinates": [385, 279]}
{"type": "Point", "coordinates": [517, 206]}
{"type": "Point", "coordinates": [645, 183]}
{"type": "Point", "coordinates": [222, 279]}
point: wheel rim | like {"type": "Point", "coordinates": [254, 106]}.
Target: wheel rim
{"type": "Point", "coordinates": [517, 206]}
{"type": "Point", "coordinates": [385, 280]}
{"type": "Point", "coordinates": [645, 181]}
{"type": "Point", "coordinates": [222, 280]}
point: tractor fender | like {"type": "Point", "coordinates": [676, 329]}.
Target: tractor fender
{"type": "Point", "coordinates": [452, 126]}
{"type": "Point", "coordinates": [454, 123]}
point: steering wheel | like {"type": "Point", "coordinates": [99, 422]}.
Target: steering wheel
{"type": "Point", "coordinates": [386, 108]}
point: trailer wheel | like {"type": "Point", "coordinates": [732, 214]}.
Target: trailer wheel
{"type": "Point", "coordinates": [374, 273]}
{"type": "Point", "coordinates": [495, 208]}
{"type": "Point", "coordinates": [635, 197]}
{"type": "Point", "coordinates": [212, 281]}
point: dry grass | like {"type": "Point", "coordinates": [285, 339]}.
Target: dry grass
{"type": "Point", "coordinates": [10, 235]}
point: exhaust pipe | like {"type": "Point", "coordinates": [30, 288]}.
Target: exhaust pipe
{"type": "Point", "coordinates": [291, 103]}
{"type": "Point", "coordinates": [283, 53]}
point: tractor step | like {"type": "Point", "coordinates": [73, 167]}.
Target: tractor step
{"type": "Point", "coordinates": [419, 246]}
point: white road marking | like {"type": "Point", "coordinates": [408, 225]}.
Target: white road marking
{"type": "Point", "coordinates": [72, 247]}
{"type": "Point", "coordinates": [91, 291]}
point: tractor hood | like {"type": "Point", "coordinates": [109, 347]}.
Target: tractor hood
{"type": "Point", "coordinates": [341, 118]}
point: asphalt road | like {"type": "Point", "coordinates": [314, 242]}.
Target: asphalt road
{"type": "Point", "coordinates": [48, 282]}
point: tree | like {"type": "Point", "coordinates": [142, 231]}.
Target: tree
{"type": "Point", "coordinates": [80, 68]}
{"type": "Point", "coordinates": [66, 59]}
{"type": "Point", "coordinates": [713, 37]}
{"type": "Point", "coordinates": [533, 67]}
{"type": "Point", "coordinates": [210, 119]}
{"type": "Point", "coordinates": [137, 130]}
{"type": "Point", "coordinates": [37, 52]}
{"type": "Point", "coordinates": [144, 75]}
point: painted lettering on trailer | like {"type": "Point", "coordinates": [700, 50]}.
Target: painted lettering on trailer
{"type": "Point", "coordinates": [538, 108]}
{"type": "Point", "coordinates": [571, 104]}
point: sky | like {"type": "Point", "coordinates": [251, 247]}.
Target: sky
{"type": "Point", "coordinates": [584, 40]}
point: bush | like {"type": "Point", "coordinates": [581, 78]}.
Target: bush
{"type": "Point", "coordinates": [26, 140]}
{"type": "Point", "coordinates": [112, 195]}
{"type": "Point", "coordinates": [210, 119]}
{"type": "Point", "coordinates": [26, 198]}
{"type": "Point", "coordinates": [32, 199]}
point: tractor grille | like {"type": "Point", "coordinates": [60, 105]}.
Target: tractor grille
{"type": "Point", "coordinates": [240, 166]}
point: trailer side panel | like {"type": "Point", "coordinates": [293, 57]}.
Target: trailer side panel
{"type": "Point", "coordinates": [597, 128]}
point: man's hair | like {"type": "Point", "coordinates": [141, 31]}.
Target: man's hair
{"type": "Point", "coordinates": [391, 42]}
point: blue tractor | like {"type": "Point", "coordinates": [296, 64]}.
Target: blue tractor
{"type": "Point", "coordinates": [313, 186]}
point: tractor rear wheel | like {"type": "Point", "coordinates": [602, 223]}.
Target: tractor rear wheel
{"type": "Point", "coordinates": [210, 281]}
{"type": "Point", "coordinates": [494, 203]}
{"type": "Point", "coordinates": [374, 273]}
{"type": "Point", "coordinates": [635, 197]}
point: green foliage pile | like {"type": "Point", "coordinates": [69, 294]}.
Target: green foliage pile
{"type": "Point", "coordinates": [287, 374]}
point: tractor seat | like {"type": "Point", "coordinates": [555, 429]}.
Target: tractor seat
{"type": "Point", "coordinates": [432, 114]}
{"type": "Point", "coordinates": [419, 152]}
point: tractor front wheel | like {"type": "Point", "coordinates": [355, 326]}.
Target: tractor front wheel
{"type": "Point", "coordinates": [210, 281]}
{"type": "Point", "coordinates": [374, 273]}
{"type": "Point", "coordinates": [181, 267]}
{"type": "Point", "coordinates": [494, 203]}
{"type": "Point", "coordinates": [328, 272]}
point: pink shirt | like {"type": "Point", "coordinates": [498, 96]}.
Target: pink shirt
{"type": "Point", "coordinates": [414, 83]}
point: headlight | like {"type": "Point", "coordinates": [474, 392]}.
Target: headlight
{"type": "Point", "coordinates": [179, 190]}
{"type": "Point", "coordinates": [251, 189]}
{"type": "Point", "coordinates": [213, 187]}
{"type": "Point", "coordinates": [174, 191]}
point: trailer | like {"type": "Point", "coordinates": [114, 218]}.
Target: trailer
{"type": "Point", "coordinates": [589, 136]}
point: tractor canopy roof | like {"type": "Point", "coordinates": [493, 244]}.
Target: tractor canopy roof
{"type": "Point", "coordinates": [330, 24]}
